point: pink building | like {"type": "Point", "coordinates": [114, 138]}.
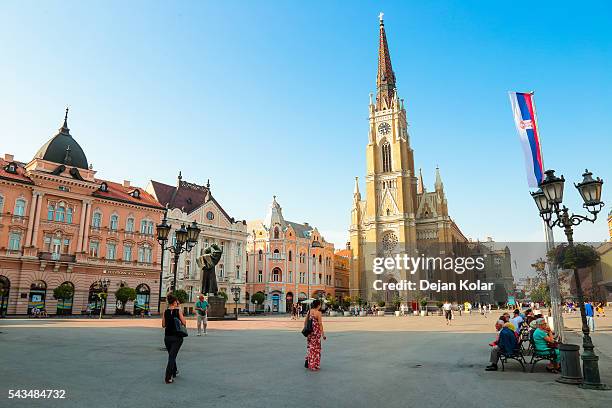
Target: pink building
{"type": "Point", "coordinates": [59, 224]}
{"type": "Point", "coordinates": [287, 262]}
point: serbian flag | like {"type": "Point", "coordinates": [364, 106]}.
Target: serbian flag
{"type": "Point", "coordinates": [523, 108]}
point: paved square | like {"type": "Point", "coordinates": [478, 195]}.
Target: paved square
{"type": "Point", "coordinates": [367, 362]}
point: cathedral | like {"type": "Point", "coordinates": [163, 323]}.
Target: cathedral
{"type": "Point", "coordinates": [398, 215]}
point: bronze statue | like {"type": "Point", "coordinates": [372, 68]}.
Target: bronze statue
{"type": "Point", "coordinates": [206, 262]}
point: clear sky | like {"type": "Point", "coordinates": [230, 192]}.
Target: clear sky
{"type": "Point", "coordinates": [271, 98]}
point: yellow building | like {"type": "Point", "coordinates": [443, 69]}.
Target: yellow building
{"type": "Point", "coordinates": [398, 214]}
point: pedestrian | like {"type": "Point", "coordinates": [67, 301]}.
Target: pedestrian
{"type": "Point", "coordinates": [588, 311]}
{"type": "Point", "coordinates": [202, 314]}
{"type": "Point", "coordinates": [448, 312]}
{"type": "Point", "coordinates": [172, 338]}
{"type": "Point", "coordinates": [313, 341]}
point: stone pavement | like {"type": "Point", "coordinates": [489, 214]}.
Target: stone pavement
{"type": "Point", "coordinates": [367, 362]}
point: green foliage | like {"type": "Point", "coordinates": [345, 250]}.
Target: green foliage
{"type": "Point", "coordinates": [181, 295]}
{"type": "Point", "coordinates": [382, 303]}
{"type": "Point", "coordinates": [397, 301]}
{"type": "Point", "coordinates": [423, 302]}
{"type": "Point", "coordinates": [223, 295]}
{"type": "Point", "coordinates": [359, 300]}
{"type": "Point", "coordinates": [541, 294]}
{"type": "Point", "coordinates": [125, 294]}
{"type": "Point", "coordinates": [579, 256]}
{"type": "Point", "coordinates": [63, 292]}
{"type": "Point", "coordinates": [258, 298]}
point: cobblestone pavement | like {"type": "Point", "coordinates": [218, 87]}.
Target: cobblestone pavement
{"type": "Point", "coordinates": [258, 361]}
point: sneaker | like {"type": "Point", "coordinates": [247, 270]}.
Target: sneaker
{"type": "Point", "coordinates": [492, 367]}
{"type": "Point", "coordinates": [199, 334]}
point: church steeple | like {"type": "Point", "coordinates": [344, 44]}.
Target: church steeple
{"type": "Point", "coordinates": [385, 80]}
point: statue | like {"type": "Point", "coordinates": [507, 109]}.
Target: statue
{"type": "Point", "coordinates": [206, 262]}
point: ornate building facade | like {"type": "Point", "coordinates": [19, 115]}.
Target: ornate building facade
{"type": "Point", "coordinates": [188, 202]}
{"type": "Point", "coordinates": [342, 267]}
{"type": "Point", "coordinates": [59, 224]}
{"type": "Point", "coordinates": [287, 261]}
{"type": "Point", "coordinates": [398, 214]}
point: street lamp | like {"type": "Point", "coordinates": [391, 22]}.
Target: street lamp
{"type": "Point", "coordinates": [186, 238]}
{"type": "Point", "coordinates": [236, 292]}
{"type": "Point", "coordinates": [103, 285]}
{"type": "Point", "coordinates": [548, 200]}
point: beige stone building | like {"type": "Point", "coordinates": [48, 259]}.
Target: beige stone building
{"type": "Point", "coordinates": [398, 215]}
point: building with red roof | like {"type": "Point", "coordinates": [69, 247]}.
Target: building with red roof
{"type": "Point", "coordinates": [62, 227]}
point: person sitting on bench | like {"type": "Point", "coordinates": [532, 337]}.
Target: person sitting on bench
{"type": "Point", "coordinates": [506, 344]}
{"type": "Point", "coordinates": [543, 339]}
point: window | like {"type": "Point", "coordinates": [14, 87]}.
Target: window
{"type": "Point", "coordinates": [146, 227]}
{"type": "Point", "coordinates": [187, 269]}
{"type": "Point", "coordinates": [94, 248]}
{"type": "Point", "coordinates": [276, 275]}
{"type": "Point", "coordinates": [60, 212]}
{"type": "Point", "coordinates": [96, 221]}
{"type": "Point", "coordinates": [276, 254]}
{"type": "Point", "coordinates": [237, 271]}
{"type": "Point", "coordinates": [20, 207]}
{"type": "Point", "coordinates": [66, 247]}
{"type": "Point", "coordinates": [239, 249]}
{"type": "Point", "coordinates": [15, 241]}
{"type": "Point", "coordinates": [276, 233]}
{"type": "Point", "coordinates": [127, 253]}
{"type": "Point", "coordinates": [144, 254]}
{"type": "Point", "coordinates": [50, 212]}
{"type": "Point", "coordinates": [111, 251]}
{"type": "Point", "coordinates": [129, 225]}
{"type": "Point", "coordinates": [386, 156]}
{"type": "Point", "coordinates": [290, 258]}
{"type": "Point", "coordinates": [47, 243]}
{"type": "Point", "coordinates": [114, 222]}
{"type": "Point", "coordinates": [260, 276]}
{"type": "Point", "coordinates": [260, 255]}
{"type": "Point", "coordinates": [210, 216]}
{"type": "Point", "coordinates": [69, 215]}
{"type": "Point", "coordinates": [290, 276]}
{"type": "Point", "coordinates": [1, 204]}
{"type": "Point", "coordinates": [302, 277]}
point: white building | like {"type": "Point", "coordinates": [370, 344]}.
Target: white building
{"type": "Point", "coordinates": [188, 202]}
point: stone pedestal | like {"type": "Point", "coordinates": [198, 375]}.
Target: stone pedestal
{"type": "Point", "coordinates": [216, 307]}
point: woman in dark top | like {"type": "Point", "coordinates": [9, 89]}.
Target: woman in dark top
{"type": "Point", "coordinates": [172, 340]}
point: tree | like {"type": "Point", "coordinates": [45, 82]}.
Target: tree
{"type": "Point", "coordinates": [382, 303]}
{"type": "Point", "coordinates": [258, 298]}
{"type": "Point", "coordinates": [223, 295]}
{"type": "Point", "coordinates": [397, 301]}
{"type": "Point", "coordinates": [423, 302]}
{"type": "Point", "coordinates": [541, 293]}
{"type": "Point", "coordinates": [63, 292]}
{"type": "Point", "coordinates": [576, 257]}
{"type": "Point", "coordinates": [181, 295]}
{"type": "Point", "coordinates": [125, 294]}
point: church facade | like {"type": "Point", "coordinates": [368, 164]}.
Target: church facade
{"type": "Point", "coordinates": [398, 215]}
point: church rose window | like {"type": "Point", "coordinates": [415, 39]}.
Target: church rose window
{"type": "Point", "coordinates": [389, 242]}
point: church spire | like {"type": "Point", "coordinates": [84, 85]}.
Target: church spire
{"type": "Point", "coordinates": [64, 129]}
{"type": "Point", "coordinates": [439, 185]}
{"type": "Point", "coordinates": [385, 80]}
{"type": "Point", "coordinates": [421, 185]}
{"type": "Point", "coordinates": [356, 193]}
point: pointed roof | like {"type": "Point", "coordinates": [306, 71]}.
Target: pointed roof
{"type": "Point", "coordinates": [356, 193]}
{"type": "Point", "coordinates": [385, 80]}
{"type": "Point", "coordinates": [420, 185]}
{"type": "Point", "coordinates": [63, 149]}
{"type": "Point", "coordinates": [439, 185]}
{"type": "Point", "coordinates": [274, 215]}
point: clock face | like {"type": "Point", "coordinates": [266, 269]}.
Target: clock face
{"type": "Point", "coordinates": [384, 128]}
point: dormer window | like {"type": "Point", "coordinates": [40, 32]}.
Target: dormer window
{"type": "Point", "coordinates": [135, 193]}
{"type": "Point", "coordinates": [104, 187]}
{"type": "Point", "coordinates": [11, 168]}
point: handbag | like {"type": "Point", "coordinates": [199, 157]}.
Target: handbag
{"type": "Point", "coordinates": [181, 329]}
{"type": "Point", "coordinates": [307, 326]}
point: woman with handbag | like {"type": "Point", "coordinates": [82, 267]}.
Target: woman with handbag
{"type": "Point", "coordinates": [175, 327]}
{"type": "Point", "coordinates": [313, 328]}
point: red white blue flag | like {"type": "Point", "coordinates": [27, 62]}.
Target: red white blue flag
{"type": "Point", "coordinates": [526, 122]}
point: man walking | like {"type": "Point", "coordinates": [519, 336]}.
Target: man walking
{"type": "Point", "coordinates": [588, 311]}
{"type": "Point", "coordinates": [448, 311]}
{"type": "Point", "coordinates": [201, 307]}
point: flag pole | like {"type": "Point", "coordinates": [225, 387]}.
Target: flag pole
{"type": "Point", "coordinates": [553, 273]}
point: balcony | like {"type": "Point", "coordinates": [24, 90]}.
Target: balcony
{"type": "Point", "coordinates": [52, 256]}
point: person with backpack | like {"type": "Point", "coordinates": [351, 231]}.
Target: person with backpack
{"type": "Point", "coordinates": [313, 329]}
{"type": "Point", "coordinates": [175, 328]}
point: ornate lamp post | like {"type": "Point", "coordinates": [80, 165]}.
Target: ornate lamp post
{"type": "Point", "coordinates": [548, 200]}
{"type": "Point", "coordinates": [103, 285]}
{"type": "Point", "coordinates": [236, 292]}
{"type": "Point", "coordinates": [186, 238]}
{"type": "Point", "coordinates": [163, 230]}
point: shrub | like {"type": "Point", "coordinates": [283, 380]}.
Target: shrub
{"type": "Point", "coordinates": [181, 295]}
{"type": "Point", "coordinates": [125, 294]}
{"type": "Point", "coordinates": [63, 292]}
{"type": "Point", "coordinates": [223, 295]}
{"type": "Point", "coordinates": [258, 298]}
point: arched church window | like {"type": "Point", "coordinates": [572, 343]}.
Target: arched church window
{"type": "Point", "coordinates": [386, 156]}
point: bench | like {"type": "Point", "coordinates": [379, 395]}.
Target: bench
{"type": "Point", "coordinates": [539, 355]}
{"type": "Point", "coordinates": [517, 355]}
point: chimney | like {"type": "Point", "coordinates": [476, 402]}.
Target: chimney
{"type": "Point", "coordinates": [126, 183]}
{"type": "Point", "coordinates": [306, 224]}
{"type": "Point", "coordinates": [8, 157]}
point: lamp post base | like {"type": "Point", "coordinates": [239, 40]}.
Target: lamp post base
{"type": "Point", "coordinates": [600, 387]}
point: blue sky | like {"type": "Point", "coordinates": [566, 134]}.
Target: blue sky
{"type": "Point", "coordinates": [270, 98]}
